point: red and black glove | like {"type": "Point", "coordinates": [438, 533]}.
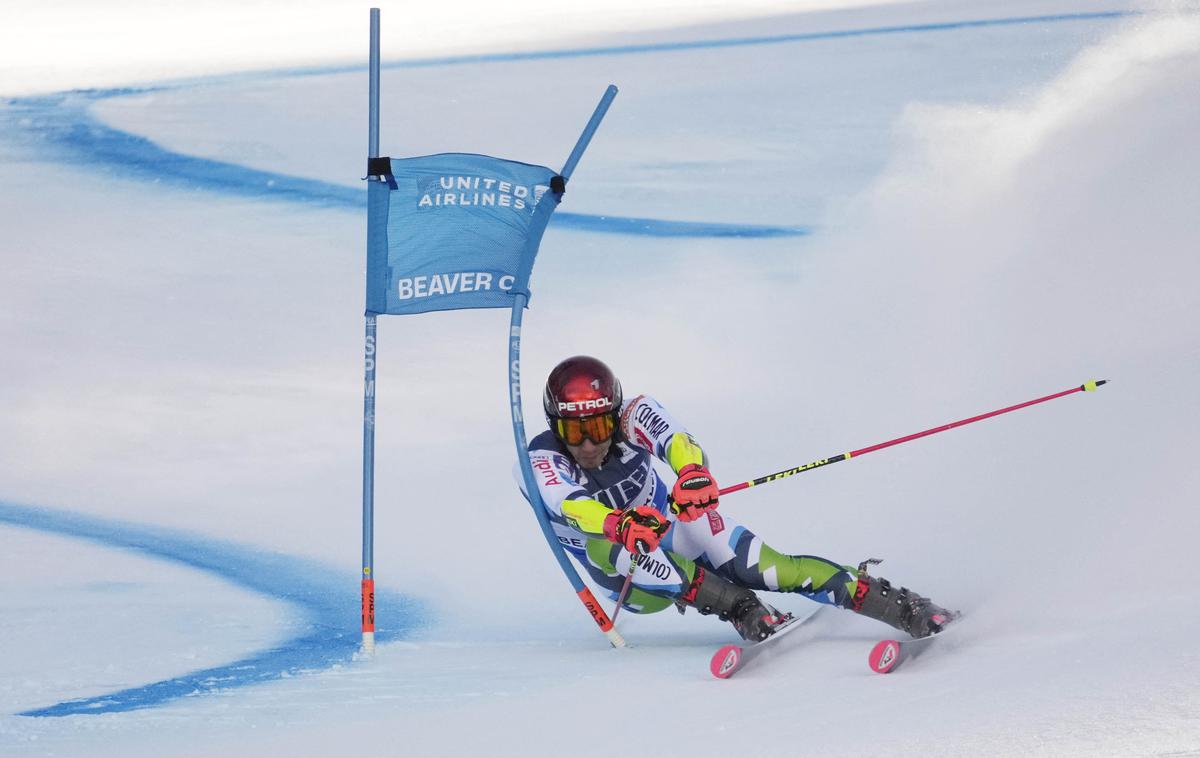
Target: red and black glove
{"type": "Point", "coordinates": [695, 493]}
{"type": "Point", "coordinates": [638, 529]}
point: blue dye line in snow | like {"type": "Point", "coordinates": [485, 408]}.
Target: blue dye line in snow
{"type": "Point", "coordinates": [64, 123]}
{"type": "Point", "coordinates": [327, 598]}
{"type": "Point", "coordinates": [663, 47]}
{"type": "Point", "coordinates": [654, 227]}
{"type": "Point", "coordinates": [62, 126]}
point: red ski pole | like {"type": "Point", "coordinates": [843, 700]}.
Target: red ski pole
{"type": "Point", "coordinates": [625, 587]}
{"type": "Point", "coordinates": [1085, 387]}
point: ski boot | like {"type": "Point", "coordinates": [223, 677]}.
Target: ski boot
{"type": "Point", "coordinates": [710, 593]}
{"type": "Point", "coordinates": [900, 608]}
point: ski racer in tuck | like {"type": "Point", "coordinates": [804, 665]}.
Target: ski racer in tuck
{"type": "Point", "coordinates": [607, 504]}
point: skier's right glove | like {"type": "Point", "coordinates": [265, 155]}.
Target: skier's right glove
{"type": "Point", "coordinates": [638, 529]}
{"type": "Point", "coordinates": [695, 493]}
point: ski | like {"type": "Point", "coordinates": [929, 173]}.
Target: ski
{"type": "Point", "coordinates": [732, 658]}
{"type": "Point", "coordinates": [888, 655]}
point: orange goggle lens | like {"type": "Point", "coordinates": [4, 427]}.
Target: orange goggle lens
{"type": "Point", "coordinates": [596, 428]}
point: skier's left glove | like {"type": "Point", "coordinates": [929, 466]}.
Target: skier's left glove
{"type": "Point", "coordinates": [695, 493]}
{"type": "Point", "coordinates": [638, 529]}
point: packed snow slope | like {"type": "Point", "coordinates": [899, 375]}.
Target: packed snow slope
{"type": "Point", "coordinates": [1000, 203]}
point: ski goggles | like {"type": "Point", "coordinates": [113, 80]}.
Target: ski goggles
{"type": "Point", "coordinates": [596, 428]}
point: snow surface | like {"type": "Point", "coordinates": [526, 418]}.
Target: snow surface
{"type": "Point", "coordinates": [924, 212]}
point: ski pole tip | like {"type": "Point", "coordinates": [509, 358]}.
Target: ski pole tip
{"type": "Point", "coordinates": [1092, 385]}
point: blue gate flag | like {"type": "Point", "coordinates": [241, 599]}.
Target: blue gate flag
{"type": "Point", "coordinates": [455, 230]}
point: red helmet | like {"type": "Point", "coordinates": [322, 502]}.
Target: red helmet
{"type": "Point", "coordinates": [582, 387]}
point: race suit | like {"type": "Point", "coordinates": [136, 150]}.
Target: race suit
{"type": "Point", "coordinates": [578, 499]}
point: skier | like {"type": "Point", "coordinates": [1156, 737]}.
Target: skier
{"type": "Point", "coordinates": [607, 504]}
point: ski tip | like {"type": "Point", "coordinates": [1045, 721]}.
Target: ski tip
{"type": "Point", "coordinates": [884, 656]}
{"type": "Point", "coordinates": [726, 661]}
